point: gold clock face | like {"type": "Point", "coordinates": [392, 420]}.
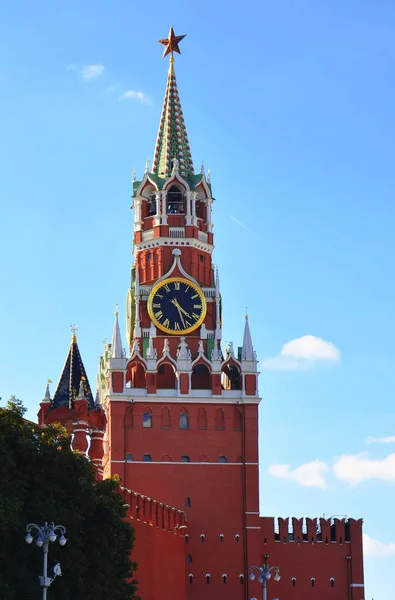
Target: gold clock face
{"type": "Point", "coordinates": [177, 306]}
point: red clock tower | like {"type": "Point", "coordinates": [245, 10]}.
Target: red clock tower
{"type": "Point", "coordinates": [182, 416]}
{"type": "Point", "coordinates": [177, 419]}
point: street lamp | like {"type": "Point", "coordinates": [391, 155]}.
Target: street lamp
{"type": "Point", "coordinates": [44, 534]}
{"type": "Point", "coordinates": [264, 573]}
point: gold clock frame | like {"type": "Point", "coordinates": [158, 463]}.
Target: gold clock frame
{"type": "Point", "coordinates": [197, 289]}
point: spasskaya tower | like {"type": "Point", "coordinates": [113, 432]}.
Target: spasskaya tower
{"type": "Point", "coordinates": [181, 412]}
{"type": "Point", "coordinates": [176, 414]}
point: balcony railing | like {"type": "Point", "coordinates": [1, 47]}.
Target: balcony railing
{"type": "Point", "coordinates": [176, 232]}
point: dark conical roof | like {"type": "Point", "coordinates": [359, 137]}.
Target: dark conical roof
{"type": "Point", "coordinates": [70, 379]}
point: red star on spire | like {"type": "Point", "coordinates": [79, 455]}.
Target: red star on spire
{"type": "Point", "coordinates": [171, 43]}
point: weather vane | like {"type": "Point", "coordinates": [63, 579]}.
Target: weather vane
{"type": "Point", "coordinates": [171, 43]}
{"type": "Point", "coordinates": [74, 329]}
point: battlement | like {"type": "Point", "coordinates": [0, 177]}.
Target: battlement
{"type": "Point", "coordinates": [307, 530]}
{"type": "Point", "coordinates": [153, 513]}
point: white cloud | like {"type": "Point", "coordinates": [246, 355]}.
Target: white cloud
{"type": "Point", "coordinates": [240, 223]}
{"type": "Point", "coordinates": [310, 474]}
{"type": "Point", "coordinates": [357, 468]}
{"type": "Point", "coordinates": [303, 353]}
{"type": "Point", "coordinates": [133, 95]}
{"type": "Point", "coordinates": [88, 72]}
{"type": "Point", "coordinates": [384, 440]}
{"type": "Point", "coordinates": [372, 547]}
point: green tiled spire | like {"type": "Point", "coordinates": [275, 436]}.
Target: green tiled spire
{"type": "Point", "coordinates": [172, 141]}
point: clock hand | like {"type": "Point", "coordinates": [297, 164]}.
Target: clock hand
{"type": "Point", "coordinates": [175, 302]}
{"type": "Point", "coordinates": [184, 311]}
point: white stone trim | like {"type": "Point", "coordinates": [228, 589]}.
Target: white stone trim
{"type": "Point", "coordinates": [140, 394]}
{"type": "Point", "coordinates": [170, 241]}
{"type": "Point", "coordinates": [174, 462]}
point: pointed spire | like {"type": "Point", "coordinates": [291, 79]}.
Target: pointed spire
{"type": "Point", "coordinates": [72, 376]}
{"type": "Point", "coordinates": [116, 346]}
{"type": "Point", "coordinates": [172, 140]}
{"type": "Point", "coordinates": [47, 397]}
{"type": "Point", "coordinates": [247, 352]}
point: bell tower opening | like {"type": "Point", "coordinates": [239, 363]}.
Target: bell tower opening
{"type": "Point", "coordinates": [175, 201]}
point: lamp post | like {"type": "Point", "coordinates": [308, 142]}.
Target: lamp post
{"type": "Point", "coordinates": [42, 535]}
{"type": "Point", "coordinates": [264, 573]}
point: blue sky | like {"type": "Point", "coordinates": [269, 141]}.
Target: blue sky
{"type": "Point", "coordinates": [290, 104]}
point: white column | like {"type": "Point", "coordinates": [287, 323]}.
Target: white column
{"type": "Point", "coordinates": [209, 223]}
{"type": "Point", "coordinates": [188, 216]}
{"type": "Point", "coordinates": [194, 219]}
{"type": "Point", "coordinates": [164, 213]}
{"type": "Point", "coordinates": [137, 213]}
{"type": "Point", "coordinates": [158, 210]}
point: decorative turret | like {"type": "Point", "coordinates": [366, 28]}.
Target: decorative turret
{"type": "Point", "coordinates": [72, 375]}
{"type": "Point", "coordinates": [247, 352]}
{"type": "Point", "coordinates": [116, 346]}
{"type": "Point", "coordinates": [172, 151]}
{"type": "Point", "coordinates": [73, 407]}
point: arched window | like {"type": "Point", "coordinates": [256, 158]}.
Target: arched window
{"type": "Point", "coordinates": [166, 377]}
{"type": "Point", "coordinates": [165, 418]}
{"type": "Point", "coordinates": [221, 537]}
{"type": "Point", "coordinates": [312, 582]}
{"type": "Point", "coordinates": [237, 537]}
{"type": "Point", "coordinates": [147, 458]}
{"type": "Point", "coordinates": [293, 581]}
{"type": "Point", "coordinates": [208, 577]}
{"type": "Point", "coordinates": [220, 419]}
{"type": "Point", "coordinates": [175, 201]}
{"type": "Point", "coordinates": [202, 536]}
{"type": "Point", "coordinates": [186, 536]}
{"type": "Point", "coordinates": [188, 502]}
{"type": "Point", "coordinates": [202, 418]}
{"type": "Point", "coordinates": [241, 577]}
{"type": "Point", "coordinates": [231, 377]}
{"type": "Point", "coordinates": [237, 419]}
{"type": "Point", "coordinates": [183, 422]}
{"type": "Point", "coordinates": [185, 458]}
{"type": "Point", "coordinates": [136, 375]}
{"type": "Point", "coordinates": [151, 206]}
{"type": "Point", "coordinates": [147, 418]}
{"type": "Point", "coordinates": [224, 577]}
{"type": "Point", "coordinates": [190, 578]}
{"type": "Point", "coordinates": [222, 459]}
{"type": "Point", "coordinates": [201, 377]}
{"type": "Point", "coordinates": [332, 580]}
{"type": "Point", "coordinates": [129, 458]}
{"type": "Point", "coordinates": [129, 416]}
{"type": "Point", "coordinates": [189, 558]}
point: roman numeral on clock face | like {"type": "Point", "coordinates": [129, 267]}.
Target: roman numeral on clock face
{"type": "Point", "coordinates": [195, 296]}
{"type": "Point", "coordinates": [158, 314]}
{"type": "Point", "coordinates": [176, 285]}
{"type": "Point", "coordinates": [166, 323]}
{"type": "Point", "coordinates": [195, 316]}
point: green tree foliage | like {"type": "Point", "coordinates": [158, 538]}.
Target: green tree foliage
{"type": "Point", "coordinates": [42, 479]}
